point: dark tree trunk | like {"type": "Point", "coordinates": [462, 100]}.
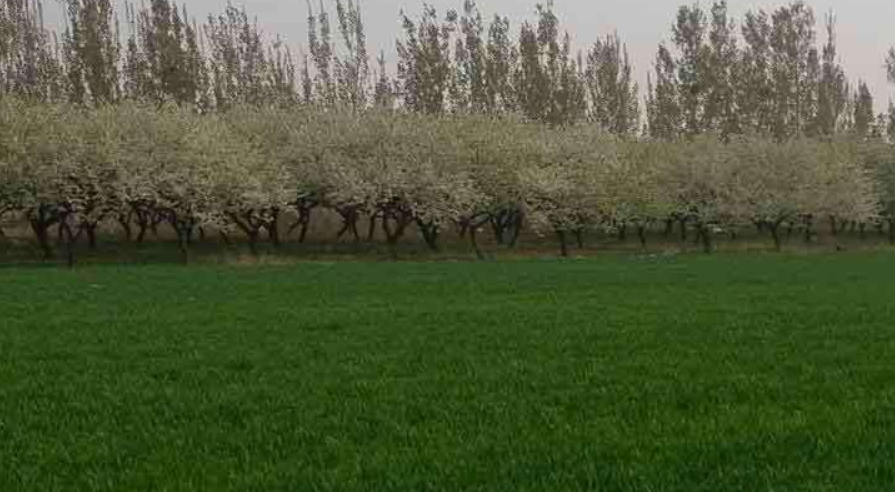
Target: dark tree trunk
{"type": "Point", "coordinates": [623, 232]}
{"type": "Point", "coordinates": [430, 234]}
{"type": "Point", "coordinates": [70, 239]}
{"type": "Point", "coordinates": [775, 234]}
{"type": "Point", "coordinates": [124, 220]}
{"type": "Point", "coordinates": [834, 226]}
{"type": "Point", "coordinates": [304, 209]}
{"type": "Point", "coordinates": [682, 223]}
{"type": "Point", "coordinates": [371, 228]}
{"type": "Point", "coordinates": [705, 237]}
{"type": "Point", "coordinates": [809, 224]}
{"type": "Point", "coordinates": [350, 216]}
{"type": "Point", "coordinates": [183, 245]}
{"type": "Point", "coordinates": [273, 227]}
{"type": "Point", "coordinates": [473, 232]}
{"type": "Point", "coordinates": [90, 229]}
{"type": "Point", "coordinates": [579, 238]}
{"type": "Point", "coordinates": [563, 243]}
{"type": "Point", "coordinates": [892, 232]}
{"type": "Point", "coordinates": [641, 234]}
{"type": "Point", "coordinates": [862, 230]}
{"type": "Point", "coordinates": [497, 225]}
{"type": "Point", "coordinates": [41, 228]}
{"type": "Point", "coordinates": [464, 228]}
{"type": "Point", "coordinates": [669, 227]}
{"type": "Point", "coordinates": [518, 219]}
{"type": "Point", "coordinates": [394, 234]}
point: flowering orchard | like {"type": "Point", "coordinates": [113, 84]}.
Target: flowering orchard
{"type": "Point", "coordinates": [65, 171]}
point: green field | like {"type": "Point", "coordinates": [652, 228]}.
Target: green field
{"type": "Point", "coordinates": [686, 373]}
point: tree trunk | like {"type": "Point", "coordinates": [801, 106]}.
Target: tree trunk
{"type": "Point", "coordinates": [41, 232]}
{"type": "Point", "coordinates": [809, 224]}
{"type": "Point", "coordinates": [705, 235]}
{"type": "Point", "coordinates": [125, 221]}
{"type": "Point", "coordinates": [623, 232]}
{"type": "Point", "coordinates": [371, 228]}
{"type": "Point", "coordinates": [273, 228]}
{"type": "Point", "coordinates": [892, 232]}
{"type": "Point", "coordinates": [518, 219]}
{"type": "Point", "coordinates": [90, 229]}
{"type": "Point", "coordinates": [834, 226]}
{"type": "Point", "coordinates": [669, 227]}
{"type": "Point", "coordinates": [183, 245]}
{"type": "Point", "coordinates": [253, 243]}
{"type": "Point", "coordinates": [475, 243]}
{"type": "Point", "coordinates": [641, 234]}
{"type": "Point", "coordinates": [430, 234]}
{"type": "Point", "coordinates": [775, 234]}
{"type": "Point", "coordinates": [497, 224]}
{"type": "Point", "coordinates": [563, 244]}
{"type": "Point", "coordinates": [682, 222]}
{"type": "Point", "coordinates": [70, 239]}
{"type": "Point", "coordinates": [579, 238]}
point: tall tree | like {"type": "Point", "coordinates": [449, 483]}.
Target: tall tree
{"type": "Point", "coordinates": [548, 81]}
{"type": "Point", "coordinates": [239, 67]}
{"type": "Point", "coordinates": [864, 118]}
{"type": "Point", "coordinates": [689, 32]}
{"type": "Point", "coordinates": [612, 90]}
{"type": "Point", "coordinates": [501, 59]}
{"type": "Point", "coordinates": [469, 86]}
{"type": "Point", "coordinates": [794, 81]}
{"type": "Point", "coordinates": [30, 63]}
{"type": "Point", "coordinates": [92, 47]}
{"type": "Point", "coordinates": [832, 87]}
{"type": "Point", "coordinates": [755, 89]}
{"type": "Point", "coordinates": [164, 60]}
{"type": "Point", "coordinates": [322, 50]}
{"type": "Point", "coordinates": [353, 68]}
{"type": "Point", "coordinates": [663, 109]}
{"type": "Point", "coordinates": [424, 61]}
{"type": "Point", "coordinates": [721, 61]}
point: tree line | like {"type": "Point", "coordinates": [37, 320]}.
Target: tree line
{"type": "Point", "coordinates": [69, 169]}
{"type": "Point", "coordinates": [158, 119]}
{"type": "Point", "coordinates": [764, 74]}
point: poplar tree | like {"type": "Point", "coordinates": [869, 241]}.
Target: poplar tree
{"type": "Point", "coordinates": [688, 34]}
{"type": "Point", "coordinates": [548, 82]}
{"type": "Point", "coordinates": [864, 119]}
{"type": "Point", "coordinates": [501, 60]}
{"type": "Point", "coordinates": [755, 89]}
{"type": "Point", "coordinates": [30, 62]}
{"type": "Point", "coordinates": [164, 59]}
{"type": "Point", "coordinates": [239, 68]}
{"type": "Point", "coordinates": [322, 52]}
{"type": "Point", "coordinates": [91, 48]}
{"type": "Point", "coordinates": [832, 93]}
{"type": "Point", "coordinates": [424, 61]}
{"type": "Point", "coordinates": [794, 79]}
{"type": "Point", "coordinates": [352, 72]}
{"type": "Point", "coordinates": [663, 109]}
{"type": "Point", "coordinates": [611, 88]}
{"type": "Point", "coordinates": [721, 113]}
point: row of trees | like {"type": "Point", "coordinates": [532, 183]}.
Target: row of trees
{"type": "Point", "coordinates": [774, 79]}
{"type": "Point", "coordinates": [764, 75]}
{"type": "Point", "coordinates": [68, 169]}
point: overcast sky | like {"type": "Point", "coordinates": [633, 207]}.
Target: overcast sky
{"type": "Point", "coordinates": [866, 28]}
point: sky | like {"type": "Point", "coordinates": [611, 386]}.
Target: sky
{"type": "Point", "coordinates": [865, 28]}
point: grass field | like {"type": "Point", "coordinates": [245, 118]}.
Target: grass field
{"type": "Point", "coordinates": [686, 373]}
